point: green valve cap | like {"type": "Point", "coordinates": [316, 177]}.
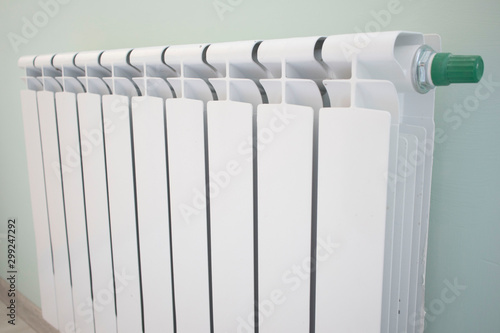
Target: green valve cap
{"type": "Point", "coordinates": [448, 68]}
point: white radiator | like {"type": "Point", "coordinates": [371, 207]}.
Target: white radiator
{"type": "Point", "coordinates": [273, 186]}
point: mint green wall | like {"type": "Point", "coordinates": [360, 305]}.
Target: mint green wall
{"type": "Point", "coordinates": [464, 242]}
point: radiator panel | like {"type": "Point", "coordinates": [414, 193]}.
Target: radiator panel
{"type": "Point", "coordinates": [39, 206]}
{"type": "Point", "coordinates": [352, 171]}
{"type": "Point", "coordinates": [55, 208]}
{"type": "Point", "coordinates": [400, 187]}
{"type": "Point", "coordinates": [230, 154]}
{"type": "Point", "coordinates": [285, 209]}
{"type": "Point", "coordinates": [76, 222]}
{"type": "Point", "coordinates": [407, 236]}
{"type": "Point", "coordinates": [97, 210]}
{"type": "Point", "coordinates": [122, 212]}
{"type": "Point", "coordinates": [186, 163]}
{"type": "Point", "coordinates": [152, 210]}
{"type": "Point", "coordinates": [416, 162]}
{"type": "Point", "coordinates": [390, 232]}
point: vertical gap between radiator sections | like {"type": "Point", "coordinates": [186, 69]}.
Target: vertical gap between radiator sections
{"type": "Point", "coordinates": [207, 189]}
{"type": "Point", "coordinates": [109, 214]}
{"type": "Point", "coordinates": [205, 61]}
{"type": "Point", "coordinates": [44, 183]}
{"type": "Point", "coordinates": [314, 224]}
{"type": "Point", "coordinates": [317, 55]}
{"type": "Point", "coordinates": [255, 58]}
{"type": "Point", "coordinates": [85, 208]}
{"type": "Point", "coordinates": [265, 100]}
{"type": "Point", "coordinates": [212, 90]}
{"type": "Point", "coordinates": [262, 91]}
{"type": "Point", "coordinates": [209, 233]}
{"type": "Point", "coordinates": [209, 84]}
{"type": "Point", "coordinates": [62, 194]}
{"type": "Point", "coordinates": [169, 219]}
{"type": "Point", "coordinates": [314, 200]}
{"type": "Point", "coordinates": [136, 211]}
{"type": "Point", "coordinates": [174, 95]}
{"type": "Point", "coordinates": [64, 202]}
{"type": "Point", "coordinates": [255, 220]}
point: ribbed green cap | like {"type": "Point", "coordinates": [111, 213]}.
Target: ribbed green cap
{"type": "Point", "coordinates": [448, 68]}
